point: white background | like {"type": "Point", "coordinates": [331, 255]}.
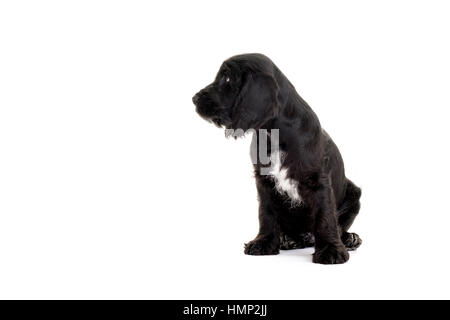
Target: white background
{"type": "Point", "coordinates": [111, 186]}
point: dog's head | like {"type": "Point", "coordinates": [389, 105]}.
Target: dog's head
{"type": "Point", "coordinates": [244, 94]}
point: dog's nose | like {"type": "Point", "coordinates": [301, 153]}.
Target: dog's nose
{"type": "Point", "coordinates": [195, 99]}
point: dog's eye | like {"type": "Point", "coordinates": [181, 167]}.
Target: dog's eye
{"type": "Point", "coordinates": [227, 79]}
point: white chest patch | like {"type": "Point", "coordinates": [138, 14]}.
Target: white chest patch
{"type": "Point", "coordinates": [283, 184]}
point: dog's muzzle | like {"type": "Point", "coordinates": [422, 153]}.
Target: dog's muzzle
{"type": "Point", "coordinates": [195, 99]}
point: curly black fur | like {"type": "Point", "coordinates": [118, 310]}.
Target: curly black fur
{"type": "Point", "coordinates": [250, 92]}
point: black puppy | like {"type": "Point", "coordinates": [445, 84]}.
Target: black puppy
{"type": "Point", "coordinates": [304, 197]}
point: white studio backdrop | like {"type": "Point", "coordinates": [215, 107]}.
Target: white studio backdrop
{"type": "Point", "coordinates": [112, 187]}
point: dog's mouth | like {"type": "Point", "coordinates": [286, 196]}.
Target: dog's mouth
{"type": "Point", "coordinates": [216, 114]}
{"type": "Point", "coordinates": [220, 123]}
{"type": "Point", "coordinates": [222, 120]}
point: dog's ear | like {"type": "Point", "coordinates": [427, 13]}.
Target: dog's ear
{"type": "Point", "coordinates": [256, 103]}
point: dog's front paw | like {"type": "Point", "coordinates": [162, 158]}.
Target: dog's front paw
{"type": "Point", "coordinates": [331, 254]}
{"type": "Point", "coordinates": [259, 247]}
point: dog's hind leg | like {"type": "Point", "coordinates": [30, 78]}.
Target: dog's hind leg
{"type": "Point", "coordinates": [303, 240]}
{"type": "Point", "coordinates": [349, 208]}
{"type": "Point", "coordinates": [351, 240]}
{"type": "Point", "coordinates": [347, 213]}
